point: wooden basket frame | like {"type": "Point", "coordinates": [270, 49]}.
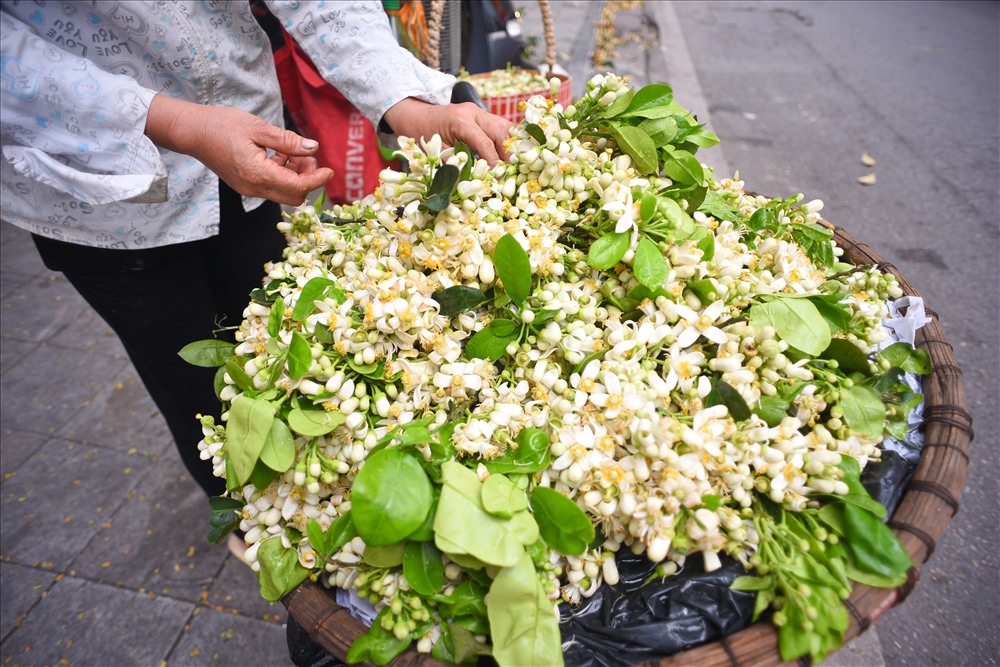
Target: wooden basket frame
{"type": "Point", "coordinates": [930, 501]}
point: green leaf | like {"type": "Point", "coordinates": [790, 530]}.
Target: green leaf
{"type": "Point", "coordinates": [423, 568]}
{"type": "Point", "coordinates": [848, 355]}
{"type": "Point", "coordinates": [247, 430]}
{"type": "Point", "coordinates": [513, 268]}
{"type": "Point", "coordinates": [491, 342]}
{"type": "Point", "coordinates": [905, 356]}
{"type": "Point", "coordinates": [457, 299]}
{"type": "Point", "coordinates": [636, 144]}
{"type": "Point", "coordinates": [442, 186]}
{"type": "Point", "coordinates": [238, 375]}
{"type": "Point", "coordinates": [463, 526]}
{"type": "Point", "coordinates": [378, 646]}
{"type": "Point", "coordinates": [280, 571]}
{"type": "Point", "coordinates": [389, 555]}
{"type": "Point", "coordinates": [458, 645]}
{"type": "Point", "coordinates": [719, 208]}
{"type": "Point", "coordinates": [277, 366]}
{"type": "Point", "coordinates": [608, 250]}
{"type": "Point", "coordinates": [873, 547]}
{"type": "Point", "coordinates": [725, 394]}
{"type": "Point", "coordinates": [683, 167]}
{"type": "Point", "coordinates": [653, 98]}
{"type": "Point", "coordinates": [620, 104]}
{"type": "Point", "coordinates": [647, 207]}
{"type": "Point", "coordinates": [390, 497]}
{"type": "Point", "coordinates": [317, 538]}
{"type": "Point", "coordinates": [225, 517]}
{"type": "Point", "coordinates": [702, 138]}
{"type": "Point", "coordinates": [648, 265]}
{"type": "Point", "coordinates": [660, 130]}
{"type": "Point", "coordinates": [425, 531]}
{"type": "Point", "coordinates": [707, 247]}
{"type": "Point", "coordinates": [797, 322]}
{"type": "Point", "coordinates": [312, 292]}
{"type": "Point", "coordinates": [536, 133]}
{"type": "Point", "coordinates": [262, 476]}
{"type": "Point", "coordinates": [314, 422]}
{"type": "Point", "coordinates": [772, 409]}
{"type": "Point", "coordinates": [672, 212]}
{"type": "Point", "coordinates": [747, 583]}
{"type": "Point", "coordinates": [836, 315]}
{"type": "Point", "coordinates": [858, 494]}
{"type": "Point", "coordinates": [523, 624]}
{"type": "Point", "coordinates": [341, 532]}
{"type": "Point", "coordinates": [563, 525]}
{"type": "Point", "coordinates": [278, 452]}
{"type": "Point", "coordinates": [276, 317]}
{"type": "Point", "coordinates": [462, 147]}
{"type": "Point", "coordinates": [207, 353]}
{"type": "Point", "coordinates": [501, 497]}
{"type": "Point", "coordinates": [863, 410]}
{"type": "Point", "coordinates": [299, 356]}
{"type": "Point", "coordinates": [219, 381]}
{"type": "Point", "coordinates": [530, 455]}
{"type": "Point", "coordinates": [875, 580]}
{"type": "Point", "coordinates": [232, 483]}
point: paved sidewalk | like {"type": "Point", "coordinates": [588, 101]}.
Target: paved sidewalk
{"type": "Point", "coordinates": [102, 533]}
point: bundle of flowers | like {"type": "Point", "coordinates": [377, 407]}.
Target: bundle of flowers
{"type": "Point", "coordinates": [461, 396]}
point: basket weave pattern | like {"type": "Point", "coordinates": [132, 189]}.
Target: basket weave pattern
{"type": "Point", "coordinates": [929, 503]}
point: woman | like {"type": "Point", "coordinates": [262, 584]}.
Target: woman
{"type": "Point", "coordinates": [141, 140]}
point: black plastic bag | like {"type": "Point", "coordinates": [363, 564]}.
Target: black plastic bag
{"type": "Point", "coordinates": [643, 618]}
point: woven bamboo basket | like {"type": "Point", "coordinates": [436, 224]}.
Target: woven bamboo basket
{"type": "Point", "coordinates": [928, 504]}
{"type": "Point", "coordinates": [507, 106]}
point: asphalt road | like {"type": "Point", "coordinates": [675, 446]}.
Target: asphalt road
{"type": "Point", "coordinates": [798, 91]}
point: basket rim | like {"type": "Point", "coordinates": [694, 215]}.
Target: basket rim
{"type": "Point", "coordinates": [927, 505]}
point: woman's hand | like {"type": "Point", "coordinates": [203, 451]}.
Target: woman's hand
{"type": "Point", "coordinates": [234, 144]}
{"type": "Point", "coordinates": [481, 131]}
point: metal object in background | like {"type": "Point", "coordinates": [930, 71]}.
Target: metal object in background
{"type": "Point", "coordinates": [495, 38]}
{"type": "Point", "coordinates": [451, 38]}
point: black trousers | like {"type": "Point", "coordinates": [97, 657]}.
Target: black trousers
{"type": "Point", "coordinates": [158, 300]}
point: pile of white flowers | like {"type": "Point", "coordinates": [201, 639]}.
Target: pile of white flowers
{"type": "Point", "coordinates": [504, 82]}
{"type": "Point", "coordinates": [625, 381]}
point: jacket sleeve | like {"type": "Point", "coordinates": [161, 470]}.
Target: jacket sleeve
{"type": "Point", "coordinates": [73, 126]}
{"type": "Point", "coordinates": [354, 49]}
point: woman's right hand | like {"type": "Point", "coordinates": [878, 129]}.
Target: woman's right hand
{"type": "Point", "coordinates": [234, 144]}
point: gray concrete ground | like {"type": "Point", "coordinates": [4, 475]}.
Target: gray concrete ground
{"type": "Point", "coordinates": [102, 553]}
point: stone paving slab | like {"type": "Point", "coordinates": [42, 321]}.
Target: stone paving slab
{"type": "Point", "coordinates": [22, 587]}
{"type": "Point", "coordinates": [18, 447]}
{"type": "Point", "coordinates": [39, 308]}
{"type": "Point", "coordinates": [155, 540]}
{"type": "Point", "coordinates": [121, 416]}
{"type": "Point", "coordinates": [60, 498]}
{"type": "Point", "coordinates": [19, 253]}
{"type": "Point", "coordinates": [235, 590]}
{"type": "Point", "coordinates": [51, 385]}
{"type": "Point", "coordinates": [89, 623]}
{"type": "Point", "coordinates": [12, 352]}
{"type": "Point", "coordinates": [11, 281]}
{"type": "Point", "coordinates": [218, 638]}
{"type": "Point", "coordinates": [88, 332]}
